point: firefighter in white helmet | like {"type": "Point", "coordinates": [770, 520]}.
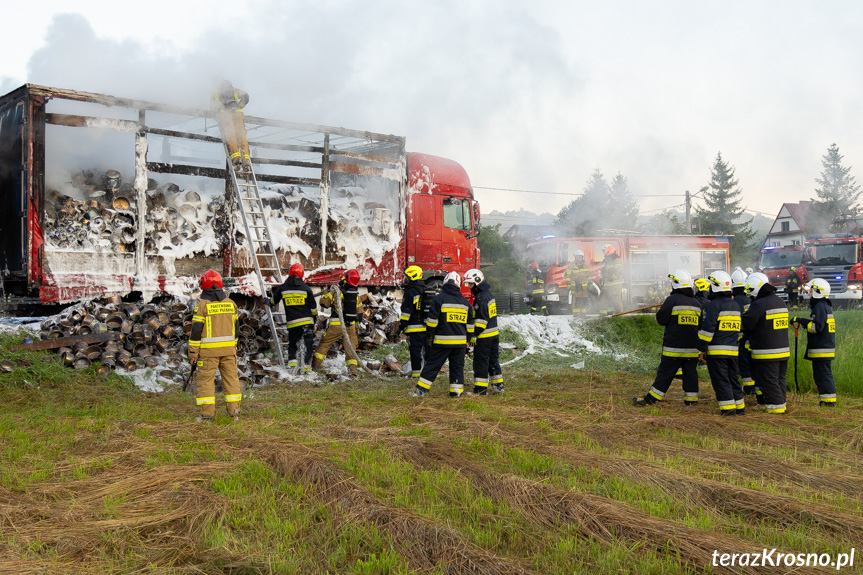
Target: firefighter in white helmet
{"type": "Point", "coordinates": [821, 340]}
{"type": "Point", "coordinates": [486, 340]}
{"type": "Point", "coordinates": [681, 316]}
{"type": "Point", "coordinates": [738, 282]}
{"type": "Point", "coordinates": [765, 323]}
{"type": "Point", "coordinates": [449, 323]}
{"type": "Point", "coordinates": [719, 334]}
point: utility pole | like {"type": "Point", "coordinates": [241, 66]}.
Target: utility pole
{"type": "Point", "coordinates": [688, 209]}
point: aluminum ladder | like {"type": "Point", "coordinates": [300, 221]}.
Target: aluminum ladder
{"type": "Point", "coordinates": [259, 237]}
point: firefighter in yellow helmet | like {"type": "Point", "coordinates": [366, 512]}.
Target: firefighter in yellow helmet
{"type": "Point", "coordinates": [228, 103]}
{"type": "Point", "coordinates": [702, 292]}
{"type": "Point", "coordinates": [577, 279]}
{"type": "Point", "coordinates": [612, 280]}
{"type": "Point", "coordinates": [213, 345]}
{"type": "Point", "coordinates": [411, 320]}
{"type": "Point", "coordinates": [534, 281]}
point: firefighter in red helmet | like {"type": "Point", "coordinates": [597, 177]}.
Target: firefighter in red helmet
{"type": "Point", "coordinates": [213, 345]}
{"type": "Point", "coordinates": [351, 308]}
{"type": "Point", "coordinates": [300, 314]}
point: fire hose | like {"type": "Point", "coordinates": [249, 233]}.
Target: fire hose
{"type": "Point", "coordinates": [191, 375]}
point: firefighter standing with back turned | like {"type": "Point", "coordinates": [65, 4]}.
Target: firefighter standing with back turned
{"type": "Point", "coordinates": [228, 103]}
{"type": "Point", "coordinates": [411, 318]}
{"type": "Point", "coordinates": [486, 337]}
{"type": "Point", "coordinates": [300, 314]}
{"type": "Point", "coordinates": [351, 308]}
{"type": "Point", "coordinates": [535, 285]}
{"type": "Point", "coordinates": [765, 323]}
{"type": "Point", "coordinates": [213, 345]}
{"type": "Point", "coordinates": [577, 278]}
{"type": "Point", "coordinates": [821, 340]}
{"type": "Point", "coordinates": [720, 331]}
{"type": "Point", "coordinates": [449, 323]}
{"type": "Point", "coordinates": [681, 316]}
{"type": "Point", "coordinates": [612, 280]}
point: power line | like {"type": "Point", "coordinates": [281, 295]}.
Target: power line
{"type": "Point", "coordinates": [565, 193]}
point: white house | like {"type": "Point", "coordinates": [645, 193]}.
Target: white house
{"type": "Point", "coordinates": [789, 228]}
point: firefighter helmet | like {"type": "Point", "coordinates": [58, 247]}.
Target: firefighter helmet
{"type": "Point", "coordinates": [702, 284]}
{"type": "Point", "coordinates": [748, 271]}
{"type": "Point", "coordinates": [352, 277]}
{"type": "Point", "coordinates": [738, 277]}
{"type": "Point", "coordinates": [754, 283]}
{"type": "Point", "coordinates": [534, 266]}
{"type": "Point", "coordinates": [577, 254]}
{"type": "Point", "coordinates": [720, 281]}
{"type": "Point", "coordinates": [296, 270]}
{"type": "Point", "coordinates": [211, 279]}
{"type": "Point", "coordinates": [452, 278]}
{"type": "Point", "coordinates": [793, 269]}
{"type": "Point", "coordinates": [414, 273]}
{"type": "Point", "coordinates": [819, 288]}
{"type": "Point", "coordinates": [608, 249]}
{"type": "Point", "coordinates": [680, 279]}
{"type": "Point", "coordinates": [473, 277]}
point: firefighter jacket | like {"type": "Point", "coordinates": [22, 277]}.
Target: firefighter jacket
{"type": "Point", "coordinates": [612, 272]}
{"type": "Point", "coordinates": [765, 323]}
{"type": "Point", "coordinates": [450, 317]}
{"type": "Point", "coordinates": [234, 99]}
{"type": "Point", "coordinates": [214, 326]}
{"type": "Point", "coordinates": [300, 306]}
{"type": "Point", "coordinates": [681, 316]}
{"type": "Point", "coordinates": [535, 281]}
{"type": "Point", "coordinates": [411, 318]}
{"type": "Point", "coordinates": [720, 326]}
{"type": "Point", "coordinates": [577, 278]}
{"type": "Point", "coordinates": [351, 306]}
{"type": "Point", "coordinates": [702, 299]}
{"type": "Point", "coordinates": [821, 331]}
{"type": "Point", "coordinates": [743, 301]}
{"type": "Point", "coordinates": [484, 312]}
{"type": "Point", "coordinates": [792, 283]}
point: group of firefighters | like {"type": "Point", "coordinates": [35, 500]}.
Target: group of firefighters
{"type": "Point", "coordinates": [739, 325]}
{"type": "Point", "coordinates": [438, 328]}
{"type": "Point", "coordinates": [578, 280]}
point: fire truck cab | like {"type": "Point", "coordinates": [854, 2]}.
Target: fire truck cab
{"type": "Point", "coordinates": [838, 259]}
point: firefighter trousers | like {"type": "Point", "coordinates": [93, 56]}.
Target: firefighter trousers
{"type": "Point", "coordinates": [418, 350]}
{"type": "Point", "coordinates": [537, 304]}
{"type": "Point", "coordinates": [295, 334]}
{"type": "Point", "coordinates": [232, 123]}
{"type": "Point", "coordinates": [580, 304]}
{"type": "Point", "coordinates": [434, 362]}
{"type": "Point", "coordinates": [668, 367]}
{"type": "Point", "coordinates": [723, 377]}
{"type": "Point", "coordinates": [206, 384]}
{"type": "Point", "coordinates": [331, 336]}
{"type": "Point", "coordinates": [822, 371]}
{"type": "Point", "coordinates": [744, 366]}
{"type": "Point", "coordinates": [770, 384]}
{"type": "Point", "coordinates": [486, 363]}
{"type": "Point", "coordinates": [612, 299]}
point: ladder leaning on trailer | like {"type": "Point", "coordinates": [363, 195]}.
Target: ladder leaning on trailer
{"type": "Point", "coordinates": [261, 246]}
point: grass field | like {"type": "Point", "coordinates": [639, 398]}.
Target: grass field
{"type": "Point", "coordinates": [559, 475]}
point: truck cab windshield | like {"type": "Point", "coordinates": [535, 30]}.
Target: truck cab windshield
{"type": "Point", "coordinates": [833, 254]}
{"type": "Point", "coordinates": [779, 260]}
{"type": "Point", "coordinates": [456, 214]}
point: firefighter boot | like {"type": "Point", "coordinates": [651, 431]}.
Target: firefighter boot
{"type": "Point", "coordinates": [827, 404]}
{"type": "Point", "coordinates": [497, 388]}
{"type": "Point", "coordinates": [643, 402]}
{"type": "Point", "coordinates": [728, 412]}
{"type": "Point", "coordinates": [202, 419]}
{"type": "Point", "coordinates": [419, 392]}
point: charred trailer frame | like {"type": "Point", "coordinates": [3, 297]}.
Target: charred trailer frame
{"type": "Point", "coordinates": [310, 161]}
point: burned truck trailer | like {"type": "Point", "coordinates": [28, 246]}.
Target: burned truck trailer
{"type": "Point", "coordinates": [109, 196]}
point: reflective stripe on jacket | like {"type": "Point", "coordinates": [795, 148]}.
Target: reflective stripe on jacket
{"type": "Point", "coordinates": [766, 325]}
{"type": "Point", "coordinates": [821, 331]}
{"type": "Point", "coordinates": [214, 327]}
{"type": "Point", "coordinates": [681, 316]}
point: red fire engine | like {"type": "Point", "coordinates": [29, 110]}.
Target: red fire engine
{"type": "Point", "coordinates": [776, 264]}
{"type": "Point", "coordinates": [838, 259]}
{"type": "Point", "coordinates": [647, 260]}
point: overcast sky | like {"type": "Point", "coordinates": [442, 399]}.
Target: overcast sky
{"type": "Point", "coordinates": [525, 95]}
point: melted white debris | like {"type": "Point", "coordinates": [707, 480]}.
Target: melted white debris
{"type": "Point", "coordinates": [554, 334]}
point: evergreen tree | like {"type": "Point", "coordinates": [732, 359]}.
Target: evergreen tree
{"type": "Point", "coordinates": [585, 215]}
{"type": "Point", "coordinates": [664, 223]}
{"type": "Point", "coordinates": [622, 208]}
{"type": "Point", "coordinates": [722, 208]}
{"type": "Point", "coordinates": [835, 208]}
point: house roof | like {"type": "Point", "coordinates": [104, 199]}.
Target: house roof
{"type": "Point", "coordinates": [800, 213]}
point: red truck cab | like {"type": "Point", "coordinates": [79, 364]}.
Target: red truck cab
{"type": "Point", "coordinates": [776, 264]}
{"type": "Point", "coordinates": [837, 259]}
